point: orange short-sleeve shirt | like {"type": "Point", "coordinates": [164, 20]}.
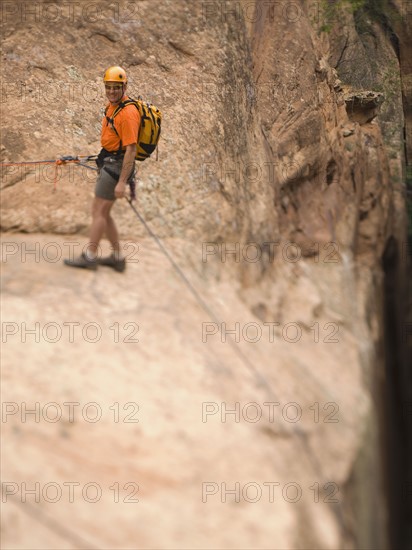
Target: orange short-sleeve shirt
{"type": "Point", "coordinates": [127, 124]}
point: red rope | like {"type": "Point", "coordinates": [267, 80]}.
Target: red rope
{"type": "Point", "coordinates": [56, 162]}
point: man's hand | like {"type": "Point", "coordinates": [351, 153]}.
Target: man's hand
{"type": "Point", "coordinates": [127, 169]}
{"type": "Point", "coordinates": [120, 190]}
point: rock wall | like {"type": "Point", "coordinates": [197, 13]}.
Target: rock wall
{"type": "Point", "coordinates": [274, 134]}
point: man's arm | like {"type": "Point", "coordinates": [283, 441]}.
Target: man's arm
{"type": "Point", "coordinates": [127, 167]}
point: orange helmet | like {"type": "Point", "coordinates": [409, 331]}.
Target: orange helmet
{"type": "Point", "coordinates": [115, 74]}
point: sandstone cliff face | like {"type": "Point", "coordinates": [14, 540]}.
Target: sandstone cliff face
{"type": "Point", "coordinates": [264, 144]}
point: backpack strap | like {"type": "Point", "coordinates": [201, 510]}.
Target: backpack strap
{"type": "Point", "coordinates": [110, 121]}
{"type": "Point", "coordinates": [121, 106]}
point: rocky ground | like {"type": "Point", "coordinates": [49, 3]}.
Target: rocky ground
{"type": "Point", "coordinates": [143, 341]}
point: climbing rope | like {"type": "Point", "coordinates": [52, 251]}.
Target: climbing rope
{"type": "Point", "coordinates": [258, 376]}
{"type": "Point", "coordinates": [79, 160]}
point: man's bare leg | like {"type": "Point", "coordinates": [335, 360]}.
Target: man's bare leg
{"type": "Point", "coordinates": [113, 236]}
{"type": "Point", "coordinates": [101, 213]}
{"type": "Point", "coordinates": [101, 222]}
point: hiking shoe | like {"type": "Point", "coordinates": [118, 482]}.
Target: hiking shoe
{"type": "Point", "coordinates": [117, 265]}
{"type": "Point", "coordinates": [83, 262]}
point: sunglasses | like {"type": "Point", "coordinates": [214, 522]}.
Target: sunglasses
{"type": "Point", "coordinates": [113, 88]}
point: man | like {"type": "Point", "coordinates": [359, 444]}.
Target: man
{"type": "Point", "coordinates": [116, 163]}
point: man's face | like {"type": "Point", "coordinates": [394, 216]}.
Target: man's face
{"type": "Point", "coordinates": [114, 91]}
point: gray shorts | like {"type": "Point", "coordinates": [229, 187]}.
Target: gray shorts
{"type": "Point", "coordinates": [107, 178]}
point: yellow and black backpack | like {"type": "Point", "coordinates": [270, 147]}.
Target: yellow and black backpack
{"type": "Point", "coordinates": [150, 126]}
